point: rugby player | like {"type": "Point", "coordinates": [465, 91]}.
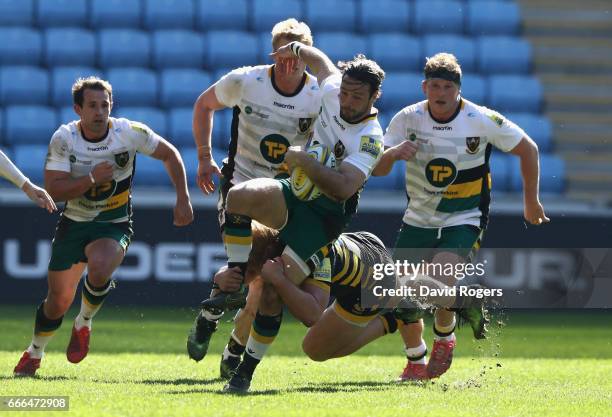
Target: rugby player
{"type": "Point", "coordinates": [90, 165]}
{"type": "Point", "coordinates": [447, 141]}
{"type": "Point", "coordinates": [38, 195]}
{"type": "Point", "coordinates": [274, 107]}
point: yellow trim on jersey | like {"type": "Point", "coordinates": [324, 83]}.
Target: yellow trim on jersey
{"type": "Point", "coordinates": [266, 340]}
{"type": "Point", "coordinates": [467, 189]}
{"type": "Point", "coordinates": [117, 201]}
{"type": "Point", "coordinates": [317, 283]}
{"type": "Point", "coordinates": [237, 240]}
{"type": "Point", "coordinates": [360, 321]}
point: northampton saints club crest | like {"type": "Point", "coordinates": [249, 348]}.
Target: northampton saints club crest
{"type": "Point", "coordinates": [122, 159]}
{"type": "Point", "coordinates": [472, 144]}
{"type": "Point", "coordinates": [304, 124]}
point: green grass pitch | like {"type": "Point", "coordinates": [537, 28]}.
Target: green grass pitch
{"type": "Point", "coordinates": [539, 364]}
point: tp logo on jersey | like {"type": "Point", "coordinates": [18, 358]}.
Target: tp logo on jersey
{"type": "Point", "coordinates": [273, 148]}
{"type": "Point", "coordinates": [472, 143]}
{"type": "Point", "coordinates": [440, 172]}
{"type": "Point", "coordinates": [101, 192]}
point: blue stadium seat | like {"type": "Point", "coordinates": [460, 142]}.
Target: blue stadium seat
{"type": "Point", "coordinates": [219, 156]}
{"type": "Point", "coordinates": [106, 14]}
{"type": "Point", "coordinates": [29, 124]}
{"type": "Point", "coordinates": [71, 46]}
{"type": "Point", "coordinates": [1, 128]}
{"type": "Point", "coordinates": [341, 46]}
{"type": "Point", "coordinates": [493, 18]}
{"type": "Point", "coordinates": [190, 159]}
{"type": "Point", "coordinates": [267, 13]}
{"type": "Point", "coordinates": [20, 46]}
{"type": "Point", "coordinates": [231, 49]}
{"type": "Point", "coordinates": [221, 15]}
{"type": "Point", "coordinates": [383, 16]}
{"type": "Point", "coordinates": [133, 86]}
{"type": "Point", "coordinates": [58, 13]}
{"type": "Point", "coordinates": [395, 51]}
{"type": "Point", "coordinates": [178, 48]}
{"type": "Point", "coordinates": [123, 47]}
{"type": "Point", "coordinates": [67, 115]}
{"type": "Point", "coordinates": [23, 85]}
{"type": "Point", "coordinates": [460, 46]}
{"type": "Point", "coordinates": [181, 87]}
{"type": "Point", "coordinates": [331, 15]}
{"type": "Point", "coordinates": [390, 182]}
{"type": "Point", "coordinates": [552, 174]}
{"type": "Point", "coordinates": [503, 54]}
{"type": "Point", "coordinates": [168, 14]}
{"type": "Point", "coordinates": [62, 79]}
{"type": "Point", "coordinates": [222, 129]}
{"type": "Point", "coordinates": [500, 164]}
{"type": "Point", "coordinates": [150, 172]}
{"type": "Point", "coordinates": [151, 116]}
{"type": "Point", "coordinates": [474, 88]}
{"type": "Point", "coordinates": [264, 41]}
{"type": "Point", "coordinates": [438, 16]}
{"type": "Point", "coordinates": [384, 118]}
{"type": "Point", "coordinates": [16, 12]}
{"type": "Point", "coordinates": [515, 93]}
{"type": "Point", "coordinates": [31, 160]}
{"type": "Point", "coordinates": [400, 89]}
{"type": "Point", "coordinates": [539, 128]}
{"type": "Point", "coordinates": [180, 126]}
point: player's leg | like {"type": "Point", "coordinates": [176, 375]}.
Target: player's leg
{"type": "Point", "coordinates": [415, 349]}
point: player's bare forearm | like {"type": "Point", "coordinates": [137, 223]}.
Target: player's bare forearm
{"type": "Point", "coordinates": [319, 63]}
{"type": "Point", "coordinates": [385, 164]}
{"type": "Point", "coordinates": [202, 123]}
{"type": "Point", "coordinates": [528, 153]}
{"type": "Point", "coordinates": [61, 187]}
{"type": "Point", "coordinates": [176, 171]}
{"type": "Point", "coordinates": [337, 184]}
{"type": "Point", "coordinates": [302, 305]}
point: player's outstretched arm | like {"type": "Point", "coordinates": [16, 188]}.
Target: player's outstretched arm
{"type": "Point", "coordinates": [319, 63]}
{"type": "Point", "coordinates": [202, 125]}
{"type": "Point", "coordinates": [170, 156]}
{"type": "Point", "coordinates": [527, 151]}
{"type": "Point", "coordinates": [38, 195]}
{"type": "Point", "coordinates": [404, 151]}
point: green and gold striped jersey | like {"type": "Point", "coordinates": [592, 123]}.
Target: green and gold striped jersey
{"type": "Point", "coordinates": [70, 152]}
{"type": "Point", "coordinates": [448, 182]}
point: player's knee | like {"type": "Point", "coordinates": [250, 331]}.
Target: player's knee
{"type": "Point", "coordinates": [313, 351]}
{"type": "Point", "coordinates": [238, 200]}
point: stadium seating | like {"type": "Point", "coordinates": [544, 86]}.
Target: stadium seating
{"type": "Point", "coordinates": [123, 47]}
{"type": "Point", "coordinates": [23, 85]}
{"type": "Point", "coordinates": [61, 13]}
{"type": "Point", "coordinates": [71, 46]}
{"type": "Point", "coordinates": [460, 46]}
{"type": "Point", "coordinates": [150, 171]}
{"type": "Point", "coordinates": [331, 15]}
{"type": "Point", "coordinates": [340, 46]}
{"type": "Point", "coordinates": [179, 125]}
{"type": "Point", "coordinates": [62, 79]}
{"type": "Point", "coordinates": [106, 14]}
{"type": "Point", "coordinates": [264, 42]}
{"type": "Point", "coordinates": [67, 115]}
{"type": "Point", "coordinates": [168, 14]}
{"type": "Point", "coordinates": [399, 90]}
{"type": "Point", "coordinates": [539, 128]}
{"type": "Point", "coordinates": [383, 16]}
{"type": "Point", "coordinates": [153, 117]}
{"type": "Point", "coordinates": [219, 155]}
{"type": "Point", "coordinates": [133, 86]}
{"type": "Point", "coordinates": [515, 93]}
{"type": "Point", "coordinates": [395, 51]}
{"type": "Point", "coordinates": [503, 54]}
{"type": "Point", "coordinates": [20, 46]}
{"type": "Point", "coordinates": [438, 16]}
{"type": "Point", "coordinates": [16, 12]}
{"type": "Point", "coordinates": [190, 159]}
{"type": "Point", "coordinates": [393, 181]}
{"type": "Point", "coordinates": [221, 15]}
{"type": "Point", "coordinates": [474, 88]}
{"type": "Point", "coordinates": [177, 48]}
{"type": "Point", "coordinates": [181, 87]}
{"type": "Point", "coordinates": [29, 124]}
{"type": "Point", "coordinates": [552, 174]}
{"type": "Point", "coordinates": [266, 13]}
{"type": "Point", "coordinates": [499, 164]}
{"type": "Point", "coordinates": [231, 49]}
{"type": "Point", "coordinates": [492, 18]}
{"type": "Point", "coordinates": [31, 160]}
{"type": "Point", "coordinates": [222, 129]}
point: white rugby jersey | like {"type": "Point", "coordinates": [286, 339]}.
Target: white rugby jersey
{"type": "Point", "coordinates": [70, 152]}
{"type": "Point", "coordinates": [359, 144]}
{"type": "Point", "coordinates": [265, 121]}
{"type": "Point", "coordinates": [448, 181]}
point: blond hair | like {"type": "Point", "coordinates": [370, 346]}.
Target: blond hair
{"type": "Point", "coordinates": [93, 83]}
{"type": "Point", "coordinates": [292, 30]}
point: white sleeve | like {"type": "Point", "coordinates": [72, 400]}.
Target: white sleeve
{"type": "Point", "coordinates": [501, 132]}
{"type": "Point", "coordinates": [396, 132]}
{"type": "Point", "coordinates": [331, 85]}
{"type": "Point", "coordinates": [9, 171]}
{"type": "Point", "coordinates": [144, 139]}
{"type": "Point", "coordinates": [229, 88]}
{"type": "Point", "coordinates": [58, 158]}
{"type": "Point", "coordinates": [368, 154]}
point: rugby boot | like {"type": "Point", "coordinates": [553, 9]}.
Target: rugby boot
{"type": "Point", "coordinates": [226, 300]}
{"type": "Point", "coordinates": [199, 337]}
{"type": "Point", "coordinates": [414, 372]}
{"type": "Point", "coordinates": [228, 366]}
{"type": "Point", "coordinates": [78, 347]}
{"type": "Point", "coordinates": [27, 366]}
{"type": "Point", "coordinates": [441, 357]}
{"type": "Point", "coordinates": [238, 384]}
{"type": "Point", "coordinates": [474, 312]}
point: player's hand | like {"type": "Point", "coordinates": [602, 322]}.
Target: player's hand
{"type": "Point", "coordinates": [405, 150]}
{"type": "Point", "coordinates": [39, 196]}
{"type": "Point", "coordinates": [207, 167]}
{"type": "Point", "coordinates": [273, 270]}
{"type": "Point", "coordinates": [285, 59]}
{"type": "Point", "coordinates": [534, 213]}
{"type": "Point", "coordinates": [293, 155]}
{"type": "Point", "coordinates": [103, 172]}
{"type": "Point", "coordinates": [183, 213]}
{"type": "Point", "coordinates": [228, 280]}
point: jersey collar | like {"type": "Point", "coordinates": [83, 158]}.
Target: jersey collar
{"type": "Point", "coordinates": [297, 90]}
{"type": "Point", "coordinates": [442, 122]}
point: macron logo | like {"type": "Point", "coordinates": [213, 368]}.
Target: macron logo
{"type": "Point", "coordinates": [442, 128]}
{"type": "Point", "coordinates": [284, 106]}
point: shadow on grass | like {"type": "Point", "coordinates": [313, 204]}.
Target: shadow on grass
{"type": "Point", "coordinates": [182, 381]}
{"type": "Point", "coordinates": [38, 378]}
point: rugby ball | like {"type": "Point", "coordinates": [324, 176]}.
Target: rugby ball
{"type": "Point", "coordinates": [302, 187]}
